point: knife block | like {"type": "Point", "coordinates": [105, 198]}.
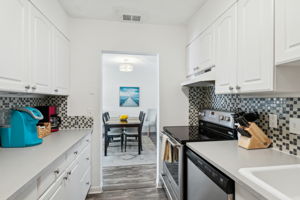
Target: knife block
{"type": "Point", "coordinates": [258, 139]}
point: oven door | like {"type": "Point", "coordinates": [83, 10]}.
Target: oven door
{"type": "Point", "coordinates": [172, 169]}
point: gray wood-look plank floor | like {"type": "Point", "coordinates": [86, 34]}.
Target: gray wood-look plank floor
{"type": "Point", "coordinates": [130, 183]}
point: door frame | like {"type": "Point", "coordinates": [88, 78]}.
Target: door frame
{"type": "Point", "coordinates": [157, 102]}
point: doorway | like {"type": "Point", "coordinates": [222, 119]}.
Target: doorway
{"type": "Point", "coordinates": [130, 87]}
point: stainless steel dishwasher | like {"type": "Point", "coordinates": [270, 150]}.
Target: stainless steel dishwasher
{"type": "Point", "coordinates": [205, 182]}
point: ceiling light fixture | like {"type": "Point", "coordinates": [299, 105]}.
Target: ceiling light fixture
{"type": "Point", "coordinates": [126, 67]}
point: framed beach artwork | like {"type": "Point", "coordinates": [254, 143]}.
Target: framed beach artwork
{"type": "Point", "coordinates": [129, 96]}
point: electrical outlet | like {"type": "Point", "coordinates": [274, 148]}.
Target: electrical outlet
{"type": "Point", "coordinates": [295, 125]}
{"type": "Point", "coordinates": [273, 121]}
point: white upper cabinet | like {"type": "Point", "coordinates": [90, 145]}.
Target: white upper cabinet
{"type": "Point", "coordinates": [226, 51]}
{"type": "Point", "coordinates": [14, 45]}
{"type": "Point", "coordinates": [41, 53]}
{"type": "Point", "coordinates": [34, 55]}
{"type": "Point", "coordinates": [255, 45]}
{"type": "Point", "coordinates": [287, 31]}
{"type": "Point", "coordinates": [61, 73]}
{"type": "Point", "coordinates": [207, 49]}
{"type": "Point", "coordinates": [200, 53]}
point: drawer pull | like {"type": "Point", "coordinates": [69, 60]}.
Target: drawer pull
{"type": "Point", "coordinates": [87, 158]}
{"type": "Point", "coordinates": [75, 152]}
{"type": "Point", "coordinates": [56, 171]}
{"type": "Point", "coordinates": [87, 183]}
{"type": "Point", "coordinates": [69, 173]}
{"type": "Point", "coordinates": [66, 178]}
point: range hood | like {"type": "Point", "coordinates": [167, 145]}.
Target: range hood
{"type": "Point", "coordinates": [206, 78]}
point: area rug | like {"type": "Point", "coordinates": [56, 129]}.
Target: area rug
{"type": "Point", "coordinates": [117, 158]}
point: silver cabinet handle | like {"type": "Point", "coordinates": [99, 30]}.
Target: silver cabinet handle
{"type": "Point", "coordinates": [238, 87]}
{"type": "Point", "coordinates": [56, 171]}
{"type": "Point", "coordinates": [33, 87]}
{"type": "Point", "coordinates": [75, 152]}
{"type": "Point", "coordinates": [56, 90]}
{"type": "Point", "coordinates": [87, 183]}
{"type": "Point", "coordinates": [27, 87]}
{"type": "Point", "coordinates": [87, 158]}
{"type": "Point", "coordinates": [66, 178]}
{"type": "Point", "coordinates": [230, 88]}
{"type": "Point", "coordinates": [69, 173]}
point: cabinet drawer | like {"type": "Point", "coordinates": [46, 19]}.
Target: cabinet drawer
{"type": "Point", "coordinates": [56, 191]}
{"type": "Point", "coordinates": [75, 151]}
{"type": "Point", "coordinates": [84, 159]}
{"type": "Point", "coordinates": [85, 183]}
{"type": "Point", "coordinates": [51, 175]}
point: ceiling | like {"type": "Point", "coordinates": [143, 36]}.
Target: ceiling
{"type": "Point", "coordinates": [138, 61]}
{"type": "Point", "coordinates": [173, 12]}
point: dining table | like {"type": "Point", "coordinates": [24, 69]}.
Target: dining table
{"type": "Point", "coordinates": [115, 122]}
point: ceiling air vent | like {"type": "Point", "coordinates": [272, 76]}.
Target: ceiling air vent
{"type": "Point", "coordinates": [131, 18]}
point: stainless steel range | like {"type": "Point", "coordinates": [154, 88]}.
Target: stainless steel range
{"type": "Point", "coordinates": [213, 126]}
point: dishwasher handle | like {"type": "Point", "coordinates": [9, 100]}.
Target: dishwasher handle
{"type": "Point", "coordinates": [218, 177]}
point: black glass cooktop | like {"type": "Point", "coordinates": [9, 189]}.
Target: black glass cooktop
{"type": "Point", "coordinates": [184, 134]}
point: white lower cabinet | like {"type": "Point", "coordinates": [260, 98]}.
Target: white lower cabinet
{"type": "Point", "coordinates": [56, 190]}
{"type": "Point", "coordinates": [242, 194]}
{"type": "Point", "coordinates": [68, 178]}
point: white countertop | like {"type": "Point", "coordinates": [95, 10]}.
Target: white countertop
{"type": "Point", "coordinates": [229, 158]}
{"type": "Point", "coordinates": [20, 166]}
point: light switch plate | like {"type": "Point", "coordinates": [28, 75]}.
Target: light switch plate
{"type": "Point", "coordinates": [295, 125]}
{"type": "Point", "coordinates": [273, 121]}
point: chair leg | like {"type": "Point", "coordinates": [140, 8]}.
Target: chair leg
{"type": "Point", "coordinates": [141, 142]}
{"type": "Point", "coordinates": [122, 140]}
{"type": "Point", "coordinates": [125, 142]}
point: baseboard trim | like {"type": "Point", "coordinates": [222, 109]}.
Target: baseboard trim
{"type": "Point", "coordinates": [95, 190]}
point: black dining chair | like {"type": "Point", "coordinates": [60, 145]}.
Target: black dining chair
{"type": "Point", "coordinates": [136, 134]}
{"type": "Point", "coordinates": [112, 133]}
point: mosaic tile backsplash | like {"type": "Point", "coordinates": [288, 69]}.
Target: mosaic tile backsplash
{"type": "Point", "coordinates": [68, 122]}
{"type": "Point", "coordinates": [285, 108]}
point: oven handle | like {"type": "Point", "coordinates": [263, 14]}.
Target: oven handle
{"type": "Point", "coordinates": [173, 142]}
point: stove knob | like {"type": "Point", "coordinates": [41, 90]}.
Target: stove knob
{"type": "Point", "coordinates": [227, 119]}
{"type": "Point", "coordinates": [221, 117]}
{"type": "Point", "coordinates": [212, 113]}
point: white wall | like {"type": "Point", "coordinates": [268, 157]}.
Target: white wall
{"type": "Point", "coordinates": [206, 16]}
{"type": "Point", "coordinates": [90, 37]}
{"type": "Point", "coordinates": [55, 13]}
{"type": "Point", "coordinates": [144, 76]}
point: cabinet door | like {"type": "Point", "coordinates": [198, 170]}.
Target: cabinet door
{"type": "Point", "coordinates": [57, 191]}
{"type": "Point", "coordinates": [61, 64]}
{"type": "Point", "coordinates": [255, 45]}
{"type": "Point", "coordinates": [193, 52]}
{"type": "Point", "coordinates": [287, 31]}
{"type": "Point", "coordinates": [200, 53]}
{"type": "Point", "coordinates": [206, 49]}
{"type": "Point", "coordinates": [226, 51]}
{"type": "Point", "coordinates": [189, 67]}
{"type": "Point", "coordinates": [73, 187]}
{"type": "Point", "coordinates": [41, 59]}
{"type": "Point", "coordinates": [14, 45]}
